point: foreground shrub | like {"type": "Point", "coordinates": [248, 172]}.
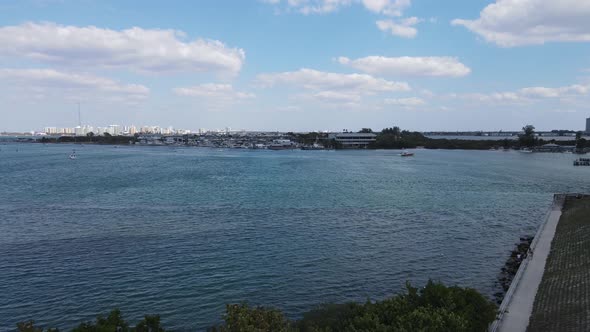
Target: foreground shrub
{"type": "Point", "coordinates": [433, 308]}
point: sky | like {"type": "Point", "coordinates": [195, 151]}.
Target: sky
{"type": "Point", "coordinates": [295, 65]}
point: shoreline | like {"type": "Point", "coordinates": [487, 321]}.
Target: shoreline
{"type": "Point", "coordinates": [450, 148]}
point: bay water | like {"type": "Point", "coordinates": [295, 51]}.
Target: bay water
{"type": "Point", "coordinates": [182, 231]}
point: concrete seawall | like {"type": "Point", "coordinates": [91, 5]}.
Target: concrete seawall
{"type": "Point", "coordinates": [517, 306]}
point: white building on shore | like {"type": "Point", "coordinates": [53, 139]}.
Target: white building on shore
{"type": "Point", "coordinates": [353, 140]}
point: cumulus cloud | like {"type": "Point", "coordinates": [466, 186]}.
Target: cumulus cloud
{"type": "Point", "coordinates": [326, 81]}
{"type": "Point", "coordinates": [510, 23]}
{"type": "Point", "coordinates": [409, 66]}
{"type": "Point", "coordinates": [307, 7]}
{"type": "Point", "coordinates": [75, 84]}
{"type": "Point", "coordinates": [334, 89]}
{"type": "Point", "coordinates": [405, 102]}
{"type": "Point", "coordinates": [401, 28]}
{"type": "Point", "coordinates": [212, 90]}
{"type": "Point", "coordinates": [144, 50]}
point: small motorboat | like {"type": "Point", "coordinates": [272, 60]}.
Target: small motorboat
{"type": "Point", "coordinates": [406, 154]}
{"type": "Point", "coordinates": [73, 155]}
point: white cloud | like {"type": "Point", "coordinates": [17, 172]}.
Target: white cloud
{"type": "Point", "coordinates": [543, 92]}
{"type": "Point", "coordinates": [405, 102]}
{"type": "Point", "coordinates": [387, 7]}
{"type": "Point", "coordinates": [540, 92]}
{"type": "Point", "coordinates": [393, 8]}
{"type": "Point", "coordinates": [411, 66]}
{"type": "Point", "coordinates": [326, 81]}
{"type": "Point", "coordinates": [336, 97]}
{"type": "Point", "coordinates": [319, 7]}
{"type": "Point", "coordinates": [212, 90]}
{"type": "Point", "coordinates": [332, 89]}
{"type": "Point", "coordinates": [145, 50]}
{"type": "Point", "coordinates": [402, 28]}
{"type": "Point", "coordinates": [307, 7]}
{"type": "Point", "coordinates": [42, 80]}
{"type": "Point", "coordinates": [496, 97]}
{"type": "Point", "coordinates": [528, 95]}
{"type": "Point", "coordinates": [510, 23]}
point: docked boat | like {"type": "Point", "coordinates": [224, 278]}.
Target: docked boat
{"type": "Point", "coordinates": [406, 154]}
{"type": "Point", "coordinates": [281, 144]}
{"type": "Point", "coordinates": [314, 146]}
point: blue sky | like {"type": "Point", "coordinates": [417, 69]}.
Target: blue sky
{"type": "Point", "coordinates": [296, 64]}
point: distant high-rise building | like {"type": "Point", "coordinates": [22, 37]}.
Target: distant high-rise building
{"type": "Point", "coordinates": [51, 130]}
{"type": "Point", "coordinates": [588, 126]}
{"type": "Point", "coordinates": [79, 131]}
{"type": "Point", "coordinates": [114, 130]}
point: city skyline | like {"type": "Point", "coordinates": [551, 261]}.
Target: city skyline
{"type": "Point", "coordinates": [267, 65]}
{"type": "Point", "coordinates": [126, 129]}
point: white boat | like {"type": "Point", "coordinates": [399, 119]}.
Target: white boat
{"type": "Point", "coordinates": [73, 155]}
{"type": "Point", "coordinates": [406, 154]}
{"type": "Point", "coordinates": [314, 146]}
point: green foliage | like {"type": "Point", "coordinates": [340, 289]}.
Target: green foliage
{"type": "Point", "coordinates": [434, 308]}
{"type": "Point", "coordinates": [529, 130]}
{"type": "Point", "coordinates": [151, 323]}
{"type": "Point", "coordinates": [242, 318]}
{"type": "Point", "coordinates": [309, 138]}
{"type": "Point", "coordinates": [28, 326]}
{"type": "Point", "coordinates": [114, 322]}
{"type": "Point", "coordinates": [332, 144]}
{"type": "Point", "coordinates": [91, 138]}
{"type": "Point", "coordinates": [395, 131]}
{"type": "Point", "coordinates": [528, 138]}
{"type": "Point", "coordinates": [394, 138]}
{"type": "Point", "coordinates": [581, 143]}
{"type": "Point", "coordinates": [366, 130]}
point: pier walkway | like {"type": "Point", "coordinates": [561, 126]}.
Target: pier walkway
{"type": "Point", "coordinates": [518, 304]}
{"type": "Point", "coordinates": [551, 290]}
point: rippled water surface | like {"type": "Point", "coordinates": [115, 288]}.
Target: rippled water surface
{"type": "Point", "coordinates": [181, 232]}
